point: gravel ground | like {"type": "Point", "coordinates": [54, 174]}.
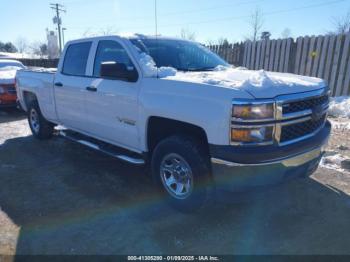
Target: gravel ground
{"type": "Point", "coordinates": [58, 197]}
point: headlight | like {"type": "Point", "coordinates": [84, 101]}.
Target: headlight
{"type": "Point", "coordinates": [253, 112]}
{"type": "Point", "coordinates": [2, 90]}
{"type": "Point", "coordinates": [253, 123]}
{"type": "Point", "coordinates": [253, 135]}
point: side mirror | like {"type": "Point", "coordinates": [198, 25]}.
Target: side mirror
{"type": "Point", "coordinates": [114, 70]}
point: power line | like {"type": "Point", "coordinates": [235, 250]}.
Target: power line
{"type": "Point", "coordinates": [201, 10]}
{"type": "Point", "coordinates": [246, 16]}
{"type": "Point", "coordinates": [191, 11]}
{"type": "Point", "coordinates": [265, 14]}
{"type": "Point", "coordinates": [58, 8]}
{"type": "Point", "coordinates": [211, 8]}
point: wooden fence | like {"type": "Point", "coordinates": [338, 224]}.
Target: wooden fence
{"type": "Point", "coordinates": [326, 57]}
{"type": "Point", "coordinates": [232, 53]}
{"type": "Point", "coordinates": [47, 63]}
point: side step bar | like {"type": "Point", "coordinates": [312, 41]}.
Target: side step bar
{"type": "Point", "coordinates": [119, 153]}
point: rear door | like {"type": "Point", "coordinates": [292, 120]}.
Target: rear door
{"type": "Point", "coordinates": [70, 86]}
{"type": "Point", "coordinates": [112, 104]}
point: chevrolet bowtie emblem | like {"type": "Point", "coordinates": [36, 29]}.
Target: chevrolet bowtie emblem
{"type": "Point", "coordinates": [317, 112]}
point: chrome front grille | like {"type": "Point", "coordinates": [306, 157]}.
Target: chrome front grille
{"type": "Point", "coordinates": [303, 105]}
{"type": "Point", "coordinates": [301, 117]}
{"type": "Point", "coordinates": [302, 129]}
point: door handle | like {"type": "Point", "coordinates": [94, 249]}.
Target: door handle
{"type": "Point", "coordinates": [59, 84]}
{"type": "Point", "coordinates": [91, 89]}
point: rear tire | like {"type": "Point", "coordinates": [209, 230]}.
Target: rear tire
{"type": "Point", "coordinates": [180, 168]}
{"type": "Point", "coordinates": [40, 127]}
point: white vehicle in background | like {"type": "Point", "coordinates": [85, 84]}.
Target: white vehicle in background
{"type": "Point", "coordinates": [198, 122]}
{"type": "Point", "coordinates": [8, 70]}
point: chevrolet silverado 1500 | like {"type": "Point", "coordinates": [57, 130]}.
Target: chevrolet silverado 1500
{"type": "Point", "coordinates": [200, 123]}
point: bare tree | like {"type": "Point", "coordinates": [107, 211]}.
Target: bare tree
{"type": "Point", "coordinates": [256, 22]}
{"type": "Point", "coordinates": [22, 45]}
{"type": "Point", "coordinates": [39, 48]}
{"type": "Point", "coordinates": [87, 33]}
{"type": "Point", "coordinates": [341, 24]}
{"type": "Point", "coordinates": [103, 31]}
{"type": "Point", "coordinates": [265, 35]}
{"type": "Point", "coordinates": [8, 47]}
{"type": "Point", "coordinates": [223, 41]}
{"type": "Point", "coordinates": [210, 42]}
{"type": "Point", "coordinates": [286, 33]}
{"type": "Point", "coordinates": [108, 31]}
{"type": "Point", "coordinates": [188, 34]}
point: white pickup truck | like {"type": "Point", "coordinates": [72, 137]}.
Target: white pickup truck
{"type": "Point", "coordinates": [199, 123]}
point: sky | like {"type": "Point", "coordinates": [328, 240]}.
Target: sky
{"type": "Point", "coordinates": [209, 20]}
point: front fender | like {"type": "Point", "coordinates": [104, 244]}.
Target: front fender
{"type": "Point", "coordinates": [205, 106]}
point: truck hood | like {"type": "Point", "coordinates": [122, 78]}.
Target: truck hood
{"type": "Point", "coordinates": [7, 77]}
{"type": "Point", "coordinates": [259, 84]}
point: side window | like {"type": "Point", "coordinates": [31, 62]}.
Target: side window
{"type": "Point", "coordinates": [110, 51]}
{"type": "Point", "coordinates": [76, 58]}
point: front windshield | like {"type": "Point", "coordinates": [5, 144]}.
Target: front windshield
{"type": "Point", "coordinates": [10, 66]}
{"type": "Point", "coordinates": [179, 54]}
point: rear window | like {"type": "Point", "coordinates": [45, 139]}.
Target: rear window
{"type": "Point", "coordinates": [76, 58]}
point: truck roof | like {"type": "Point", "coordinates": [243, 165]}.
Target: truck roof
{"type": "Point", "coordinates": [130, 36]}
{"type": "Point", "coordinates": [153, 37]}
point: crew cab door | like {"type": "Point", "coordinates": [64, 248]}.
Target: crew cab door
{"type": "Point", "coordinates": [70, 86]}
{"type": "Point", "coordinates": [112, 104]}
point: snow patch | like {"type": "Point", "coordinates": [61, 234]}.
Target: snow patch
{"type": "Point", "coordinates": [343, 125]}
{"type": "Point", "coordinates": [248, 79]}
{"type": "Point", "coordinates": [7, 77]}
{"type": "Point", "coordinates": [44, 70]}
{"type": "Point", "coordinates": [220, 68]}
{"type": "Point", "coordinates": [18, 55]}
{"type": "Point", "coordinates": [150, 69]}
{"type": "Point", "coordinates": [241, 68]}
{"type": "Point", "coordinates": [334, 162]}
{"type": "Point", "coordinates": [340, 107]}
{"type": "Point", "coordinates": [258, 79]}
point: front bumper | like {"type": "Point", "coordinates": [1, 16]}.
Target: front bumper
{"type": "Point", "coordinates": [253, 168]}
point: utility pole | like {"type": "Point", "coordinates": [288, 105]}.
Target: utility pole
{"type": "Point", "coordinates": [57, 20]}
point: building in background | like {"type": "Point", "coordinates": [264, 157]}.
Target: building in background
{"type": "Point", "coordinates": [52, 44]}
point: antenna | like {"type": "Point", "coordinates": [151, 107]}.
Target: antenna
{"type": "Point", "coordinates": [156, 16]}
{"type": "Point", "coordinates": [156, 27]}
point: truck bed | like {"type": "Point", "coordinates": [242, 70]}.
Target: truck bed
{"type": "Point", "coordinates": [39, 82]}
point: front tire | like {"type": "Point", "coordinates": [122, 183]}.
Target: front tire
{"type": "Point", "coordinates": [40, 127]}
{"type": "Point", "coordinates": [180, 167]}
